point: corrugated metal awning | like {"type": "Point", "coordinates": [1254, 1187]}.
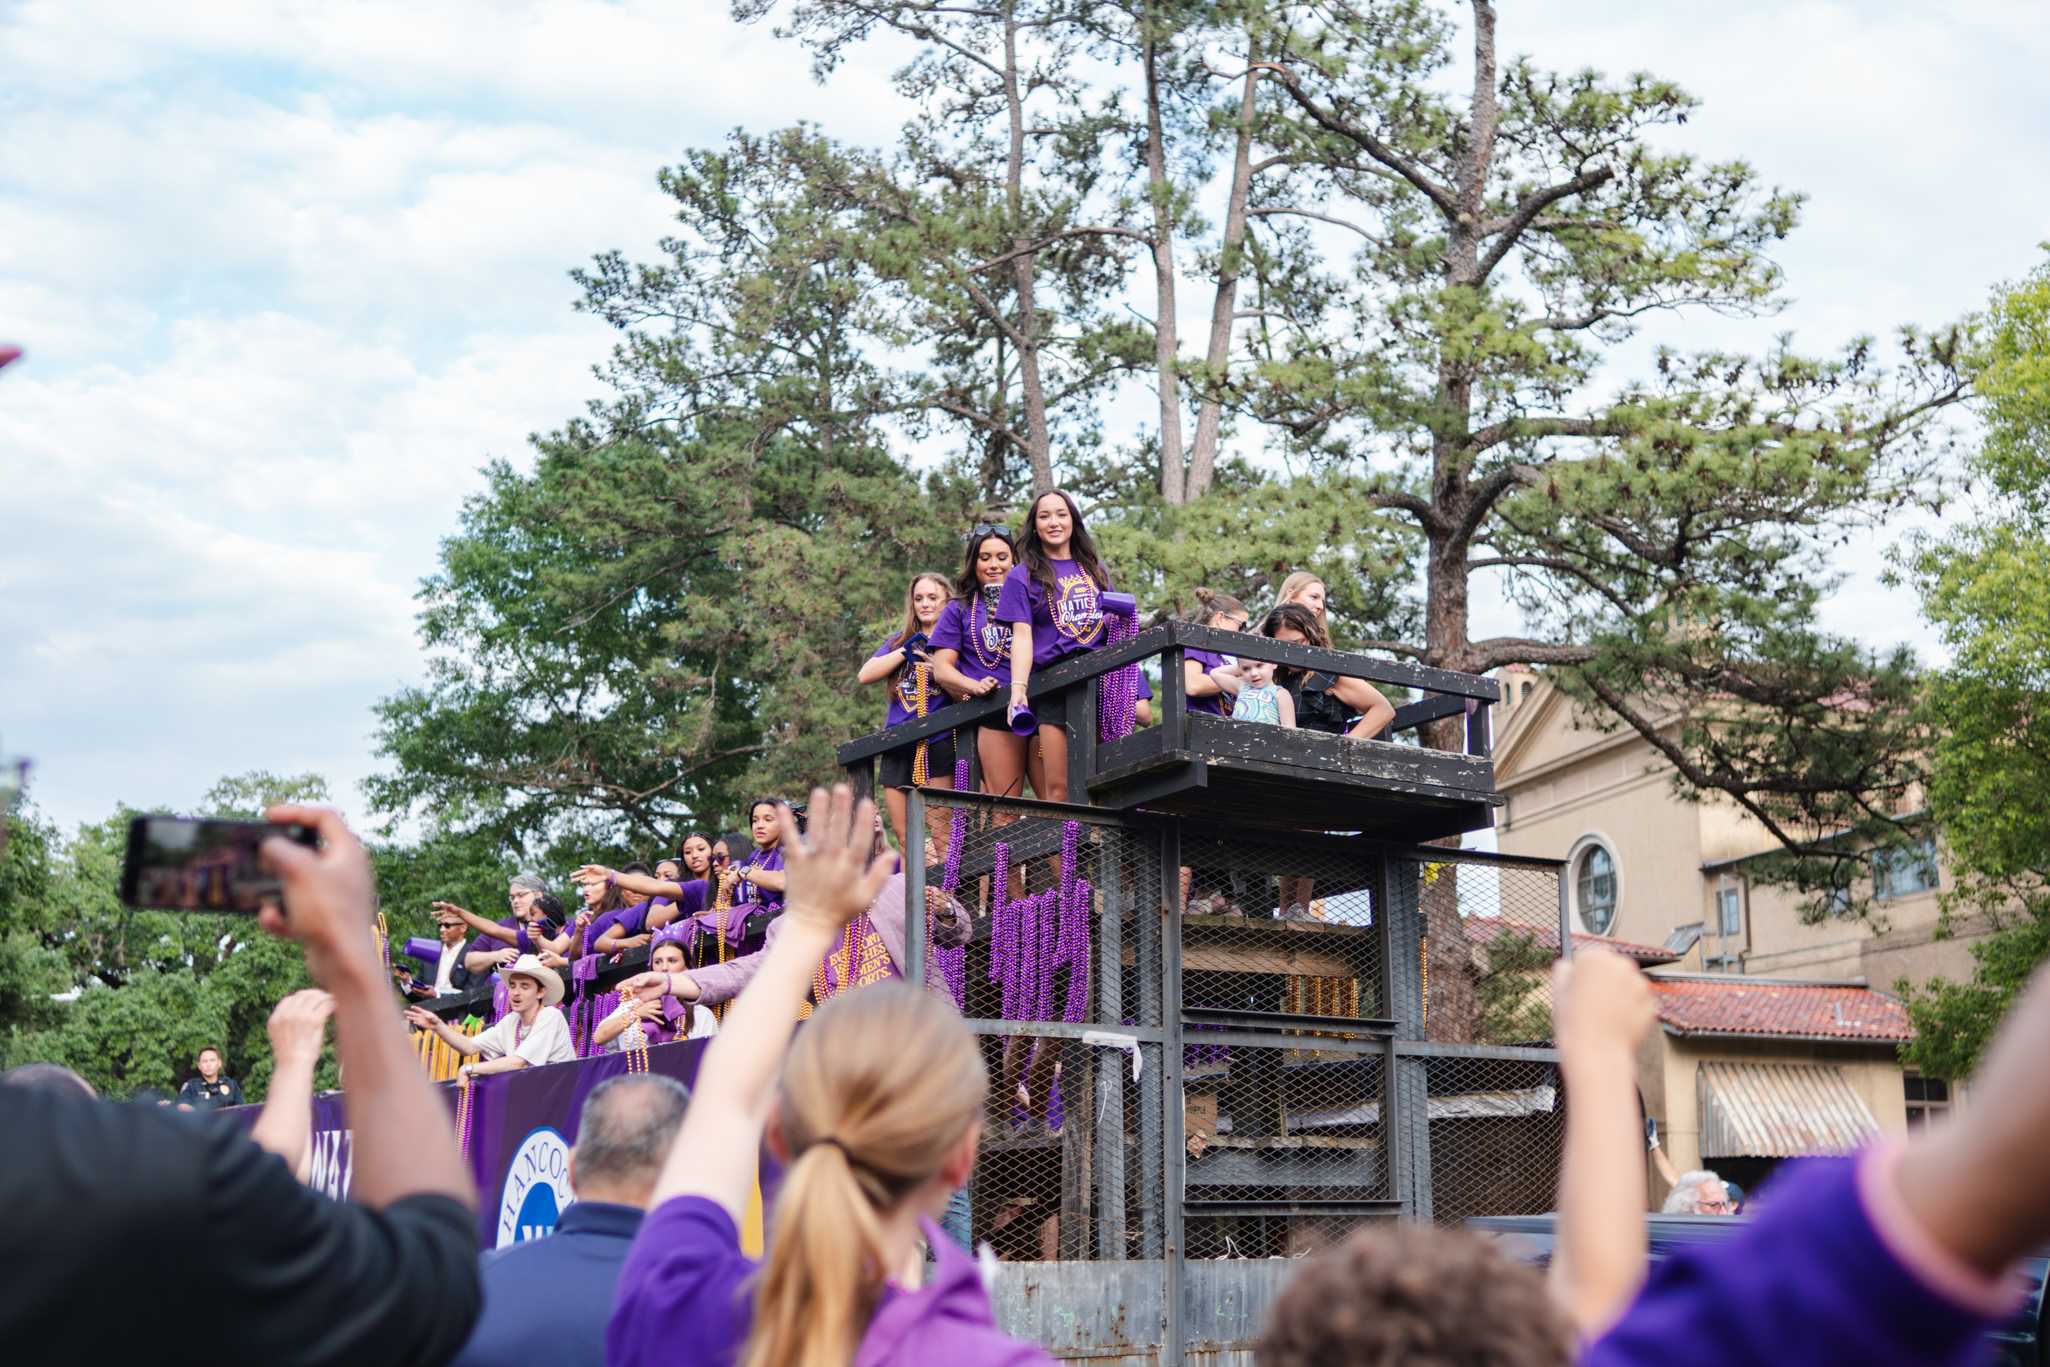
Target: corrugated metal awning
{"type": "Point", "coordinates": [1779, 1110]}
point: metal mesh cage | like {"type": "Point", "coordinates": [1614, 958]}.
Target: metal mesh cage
{"type": "Point", "coordinates": [1272, 933]}
{"type": "Point", "coordinates": [1061, 975]}
{"type": "Point", "coordinates": [1488, 935]}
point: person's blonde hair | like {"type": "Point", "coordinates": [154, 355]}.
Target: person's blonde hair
{"type": "Point", "coordinates": [910, 627]}
{"type": "Point", "coordinates": [1295, 584]}
{"type": "Point", "coordinates": [877, 1091]}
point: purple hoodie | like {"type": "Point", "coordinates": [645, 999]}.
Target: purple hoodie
{"type": "Point", "coordinates": [684, 1291]}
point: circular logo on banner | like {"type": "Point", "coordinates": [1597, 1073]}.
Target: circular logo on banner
{"type": "Point", "coordinates": [536, 1189]}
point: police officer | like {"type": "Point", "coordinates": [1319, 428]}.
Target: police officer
{"type": "Point", "coordinates": [210, 1091]}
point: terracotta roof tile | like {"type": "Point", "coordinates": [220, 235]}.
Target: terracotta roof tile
{"type": "Point", "coordinates": [1482, 929]}
{"type": "Point", "coordinates": [1746, 1006]}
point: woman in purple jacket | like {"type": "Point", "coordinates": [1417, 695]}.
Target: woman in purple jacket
{"type": "Point", "coordinates": [1053, 602]}
{"type": "Point", "coordinates": [875, 1141]}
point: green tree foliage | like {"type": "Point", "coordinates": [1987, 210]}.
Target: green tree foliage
{"type": "Point", "coordinates": [128, 997]}
{"type": "Point", "coordinates": [663, 616]}
{"type": "Point", "coordinates": [1989, 782]}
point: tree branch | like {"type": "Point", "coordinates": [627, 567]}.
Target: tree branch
{"type": "Point", "coordinates": [1512, 228]}
{"type": "Point", "coordinates": [1300, 212]}
{"type": "Point", "coordinates": [1496, 651]}
{"type": "Point", "coordinates": [1366, 141]}
{"type": "Point", "coordinates": [1029, 248]}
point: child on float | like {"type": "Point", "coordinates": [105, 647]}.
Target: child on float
{"type": "Point", "coordinates": [971, 652]}
{"type": "Point", "coordinates": [660, 1020]}
{"type": "Point", "coordinates": [1260, 699]}
{"type": "Point", "coordinates": [898, 660]}
{"type": "Point", "coordinates": [874, 1141]}
{"type": "Point", "coordinates": [1053, 602]}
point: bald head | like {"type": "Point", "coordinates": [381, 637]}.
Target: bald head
{"type": "Point", "coordinates": [48, 1077]}
{"type": "Point", "coordinates": [623, 1137]}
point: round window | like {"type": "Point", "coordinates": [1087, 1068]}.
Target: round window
{"type": "Point", "coordinates": [1594, 889]}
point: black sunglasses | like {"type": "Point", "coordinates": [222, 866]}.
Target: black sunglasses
{"type": "Point", "coordinates": [983, 529]}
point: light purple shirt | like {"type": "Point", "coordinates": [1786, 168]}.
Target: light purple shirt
{"type": "Point", "coordinates": [685, 1293]}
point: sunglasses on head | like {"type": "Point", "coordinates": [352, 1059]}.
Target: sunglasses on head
{"type": "Point", "coordinates": [983, 529]}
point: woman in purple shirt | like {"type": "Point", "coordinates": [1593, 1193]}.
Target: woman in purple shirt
{"type": "Point", "coordinates": [1208, 691]}
{"type": "Point", "coordinates": [1053, 603]}
{"type": "Point", "coordinates": [901, 660]}
{"type": "Point", "coordinates": [971, 651]}
{"type": "Point", "coordinates": [875, 1141]}
{"type": "Point", "coordinates": [761, 871]}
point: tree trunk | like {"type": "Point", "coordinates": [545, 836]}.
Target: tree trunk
{"type": "Point", "coordinates": [1224, 305]}
{"type": "Point", "coordinates": [1166, 338]}
{"type": "Point", "coordinates": [1453, 1000]}
{"type": "Point", "coordinates": [1038, 442]}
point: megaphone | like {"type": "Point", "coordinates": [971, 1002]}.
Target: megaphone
{"type": "Point", "coordinates": [1023, 723]}
{"type": "Point", "coordinates": [1119, 605]}
{"type": "Point", "coordinates": [426, 951]}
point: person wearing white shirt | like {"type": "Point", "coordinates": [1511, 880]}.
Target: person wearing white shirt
{"type": "Point", "coordinates": [531, 1033]}
{"type": "Point", "coordinates": [450, 962]}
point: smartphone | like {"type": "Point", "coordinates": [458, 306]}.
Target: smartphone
{"type": "Point", "coordinates": [177, 863]}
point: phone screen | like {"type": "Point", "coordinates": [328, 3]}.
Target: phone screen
{"type": "Point", "coordinates": [177, 863]}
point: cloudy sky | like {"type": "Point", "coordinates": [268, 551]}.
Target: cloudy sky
{"type": "Point", "coordinates": [288, 273]}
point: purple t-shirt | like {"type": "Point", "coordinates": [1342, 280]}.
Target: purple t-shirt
{"type": "Point", "coordinates": [974, 633]}
{"type": "Point", "coordinates": [685, 1289]}
{"type": "Point", "coordinates": [1828, 1273]}
{"type": "Point", "coordinates": [1217, 704]}
{"type": "Point", "coordinates": [1071, 620]}
{"type": "Point", "coordinates": [904, 684]}
{"type": "Point", "coordinates": [746, 894]}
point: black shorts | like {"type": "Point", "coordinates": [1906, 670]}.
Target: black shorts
{"type": "Point", "coordinates": [895, 769]}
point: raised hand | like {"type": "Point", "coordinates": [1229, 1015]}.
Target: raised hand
{"type": "Point", "coordinates": [1601, 1000]}
{"type": "Point", "coordinates": [592, 873]}
{"type": "Point", "coordinates": [297, 1025]}
{"type": "Point", "coordinates": [831, 877]}
{"type": "Point", "coordinates": [422, 1017]}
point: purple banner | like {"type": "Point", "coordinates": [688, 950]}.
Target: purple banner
{"type": "Point", "coordinates": [522, 1125]}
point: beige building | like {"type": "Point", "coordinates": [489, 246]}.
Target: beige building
{"type": "Point", "coordinates": [1744, 1073]}
{"type": "Point", "coordinates": [1646, 865]}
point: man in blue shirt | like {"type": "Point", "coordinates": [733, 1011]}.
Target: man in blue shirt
{"type": "Point", "coordinates": [558, 1290]}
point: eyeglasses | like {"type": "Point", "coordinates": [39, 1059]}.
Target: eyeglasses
{"type": "Point", "coordinates": [983, 529]}
{"type": "Point", "coordinates": [1236, 623]}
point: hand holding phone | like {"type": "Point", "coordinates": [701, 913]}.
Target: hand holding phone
{"type": "Point", "coordinates": [185, 864]}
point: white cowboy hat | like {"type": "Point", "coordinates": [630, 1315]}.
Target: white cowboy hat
{"type": "Point", "coordinates": [530, 966]}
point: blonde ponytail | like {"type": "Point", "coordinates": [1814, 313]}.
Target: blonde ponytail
{"type": "Point", "coordinates": [866, 1125]}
